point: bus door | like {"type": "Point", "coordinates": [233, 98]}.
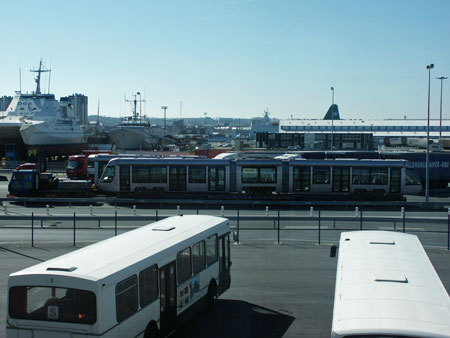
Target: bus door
{"type": "Point", "coordinates": [224, 264]}
{"type": "Point", "coordinates": [168, 298]}
{"type": "Point", "coordinates": [124, 178]}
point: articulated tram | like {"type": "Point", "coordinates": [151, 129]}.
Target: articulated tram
{"type": "Point", "coordinates": [292, 178]}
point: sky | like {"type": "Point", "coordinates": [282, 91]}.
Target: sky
{"type": "Point", "coordinates": [233, 58]}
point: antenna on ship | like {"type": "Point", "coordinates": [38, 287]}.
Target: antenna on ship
{"type": "Point", "coordinates": [135, 101]}
{"type": "Point", "coordinates": [38, 77]}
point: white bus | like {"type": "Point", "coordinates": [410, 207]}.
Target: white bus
{"type": "Point", "coordinates": [139, 284]}
{"type": "Point", "coordinates": [386, 287]}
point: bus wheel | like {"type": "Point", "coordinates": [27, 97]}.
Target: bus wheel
{"type": "Point", "coordinates": [212, 294]}
{"type": "Point", "coordinates": [151, 331]}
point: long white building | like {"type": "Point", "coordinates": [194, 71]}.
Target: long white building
{"type": "Point", "coordinates": [379, 128]}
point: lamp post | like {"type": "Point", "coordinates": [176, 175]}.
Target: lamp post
{"type": "Point", "coordinates": [427, 168]}
{"type": "Point", "coordinates": [332, 118]}
{"type": "Point", "coordinates": [164, 108]}
{"type": "Point", "coordinates": [440, 110]}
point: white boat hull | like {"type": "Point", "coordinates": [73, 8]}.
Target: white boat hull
{"type": "Point", "coordinates": [41, 133]}
{"type": "Point", "coordinates": [133, 138]}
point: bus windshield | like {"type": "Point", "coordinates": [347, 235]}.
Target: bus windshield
{"type": "Point", "coordinates": [53, 304]}
{"type": "Point", "coordinates": [108, 175]}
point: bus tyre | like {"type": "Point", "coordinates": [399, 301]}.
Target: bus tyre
{"type": "Point", "coordinates": [151, 331]}
{"type": "Point", "coordinates": [212, 294]}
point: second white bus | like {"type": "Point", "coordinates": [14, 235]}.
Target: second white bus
{"type": "Point", "coordinates": [139, 284]}
{"type": "Point", "coordinates": [386, 287]}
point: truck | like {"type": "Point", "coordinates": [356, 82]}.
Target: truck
{"type": "Point", "coordinates": [77, 165]}
{"type": "Point", "coordinates": [32, 183]}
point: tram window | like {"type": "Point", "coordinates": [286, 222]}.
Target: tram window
{"type": "Point", "coordinates": [361, 176]}
{"type": "Point", "coordinates": [158, 175]}
{"type": "Point", "coordinates": [126, 298]}
{"type": "Point", "coordinates": [197, 174]}
{"type": "Point", "coordinates": [211, 250]}
{"type": "Point", "coordinates": [148, 285]}
{"type": "Point", "coordinates": [249, 175]}
{"type": "Point", "coordinates": [321, 175]}
{"type": "Point", "coordinates": [184, 265]}
{"type": "Point", "coordinates": [379, 176]}
{"type": "Point", "coordinates": [268, 175]}
{"type": "Point", "coordinates": [302, 178]}
{"type": "Point", "coordinates": [108, 175]}
{"type": "Point", "coordinates": [216, 178]}
{"type": "Point", "coordinates": [198, 257]}
{"type": "Point", "coordinates": [140, 175]}
{"type": "Point", "coordinates": [412, 178]}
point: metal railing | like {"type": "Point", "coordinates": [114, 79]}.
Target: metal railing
{"type": "Point", "coordinates": [278, 223]}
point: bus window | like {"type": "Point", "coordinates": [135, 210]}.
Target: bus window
{"type": "Point", "coordinates": [184, 265]}
{"type": "Point", "coordinates": [211, 250]}
{"type": "Point", "coordinates": [198, 257]}
{"type": "Point", "coordinates": [53, 304]}
{"type": "Point", "coordinates": [148, 285]}
{"type": "Point", "coordinates": [126, 298]}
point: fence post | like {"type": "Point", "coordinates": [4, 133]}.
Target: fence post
{"type": "Point", "coordinates": [222, 210]}
{"type": "Point", "coordinates": [319, 226]}
{"type": "Point", "coordinates": [156, 215]}
{"type": "Point", "coordinates": [197, 211]}
{"type": "Point", "coordinates": [404, 218]}
{"type": "Point", "coordinates": [448, 229]}
{"type": "Point", "coordinates": [238, 226]}
{"type": "Point", "coordinates": [278, 236]}
{"type": "Point", "coordinates": [74, 218]}
{"type": "Point", "coordinates": [32, 229]}
{"type": "Point", "coordinates": [360, 219]}
{"type": "Point", "coordinates": [115, 223]}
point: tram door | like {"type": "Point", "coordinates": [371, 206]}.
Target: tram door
{"type": "Point", "coordinates": [168, 298]}
{"type": "Point", "coordinates": [395, 180]}
{"type": "Point", "coordinates": [124, 178]}
{"type": "Point", "coordinates": [224, 264]}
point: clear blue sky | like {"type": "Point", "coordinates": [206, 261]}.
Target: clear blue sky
{"type": "Point", "coordinates": [234, 58]}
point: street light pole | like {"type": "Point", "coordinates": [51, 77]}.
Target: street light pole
{"type": "Point", "coordinates": [332, 118]}
{"type": "Point", "coordinates": [164, 108]}
{"type": "Point", "coordinates": [427, 170]}
{"type": "Point", "coordinates": [440, 110]}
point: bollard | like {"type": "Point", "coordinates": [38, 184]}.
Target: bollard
{"type": "Point", "coordinates": [90, 210]}
{"type": "Point", "coordinates": [5, 209]}
{"type": "Point", "coordinates": [311, 212]}
{"type": "Point", "coordinates": [134, 210]}
{"type": "Point", "coordinates": [356, 211]}
{"type": "Point", "coordinates": [178, 210]}
{"type": "Point", "coordinates": [267, 211]}
{"type": "Point", "coordinates": [48, 210]}
{"type": "Point", "coordinates": [222, 209]}
{"type": "Point", "coordinates": [402, 211]}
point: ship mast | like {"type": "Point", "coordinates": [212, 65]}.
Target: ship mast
{"type": "Point", "coordinates": [38, 77]}
{"type": "Point", "coordinates": [135, 101]}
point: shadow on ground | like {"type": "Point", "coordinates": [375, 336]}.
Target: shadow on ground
{"type": "Point", "coordinates": [235, 318]}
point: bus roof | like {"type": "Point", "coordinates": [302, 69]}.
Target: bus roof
{"type": "Point", "coordinates": [104, 258]}
{"type": "Point", "coordinates": [386, 284]}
